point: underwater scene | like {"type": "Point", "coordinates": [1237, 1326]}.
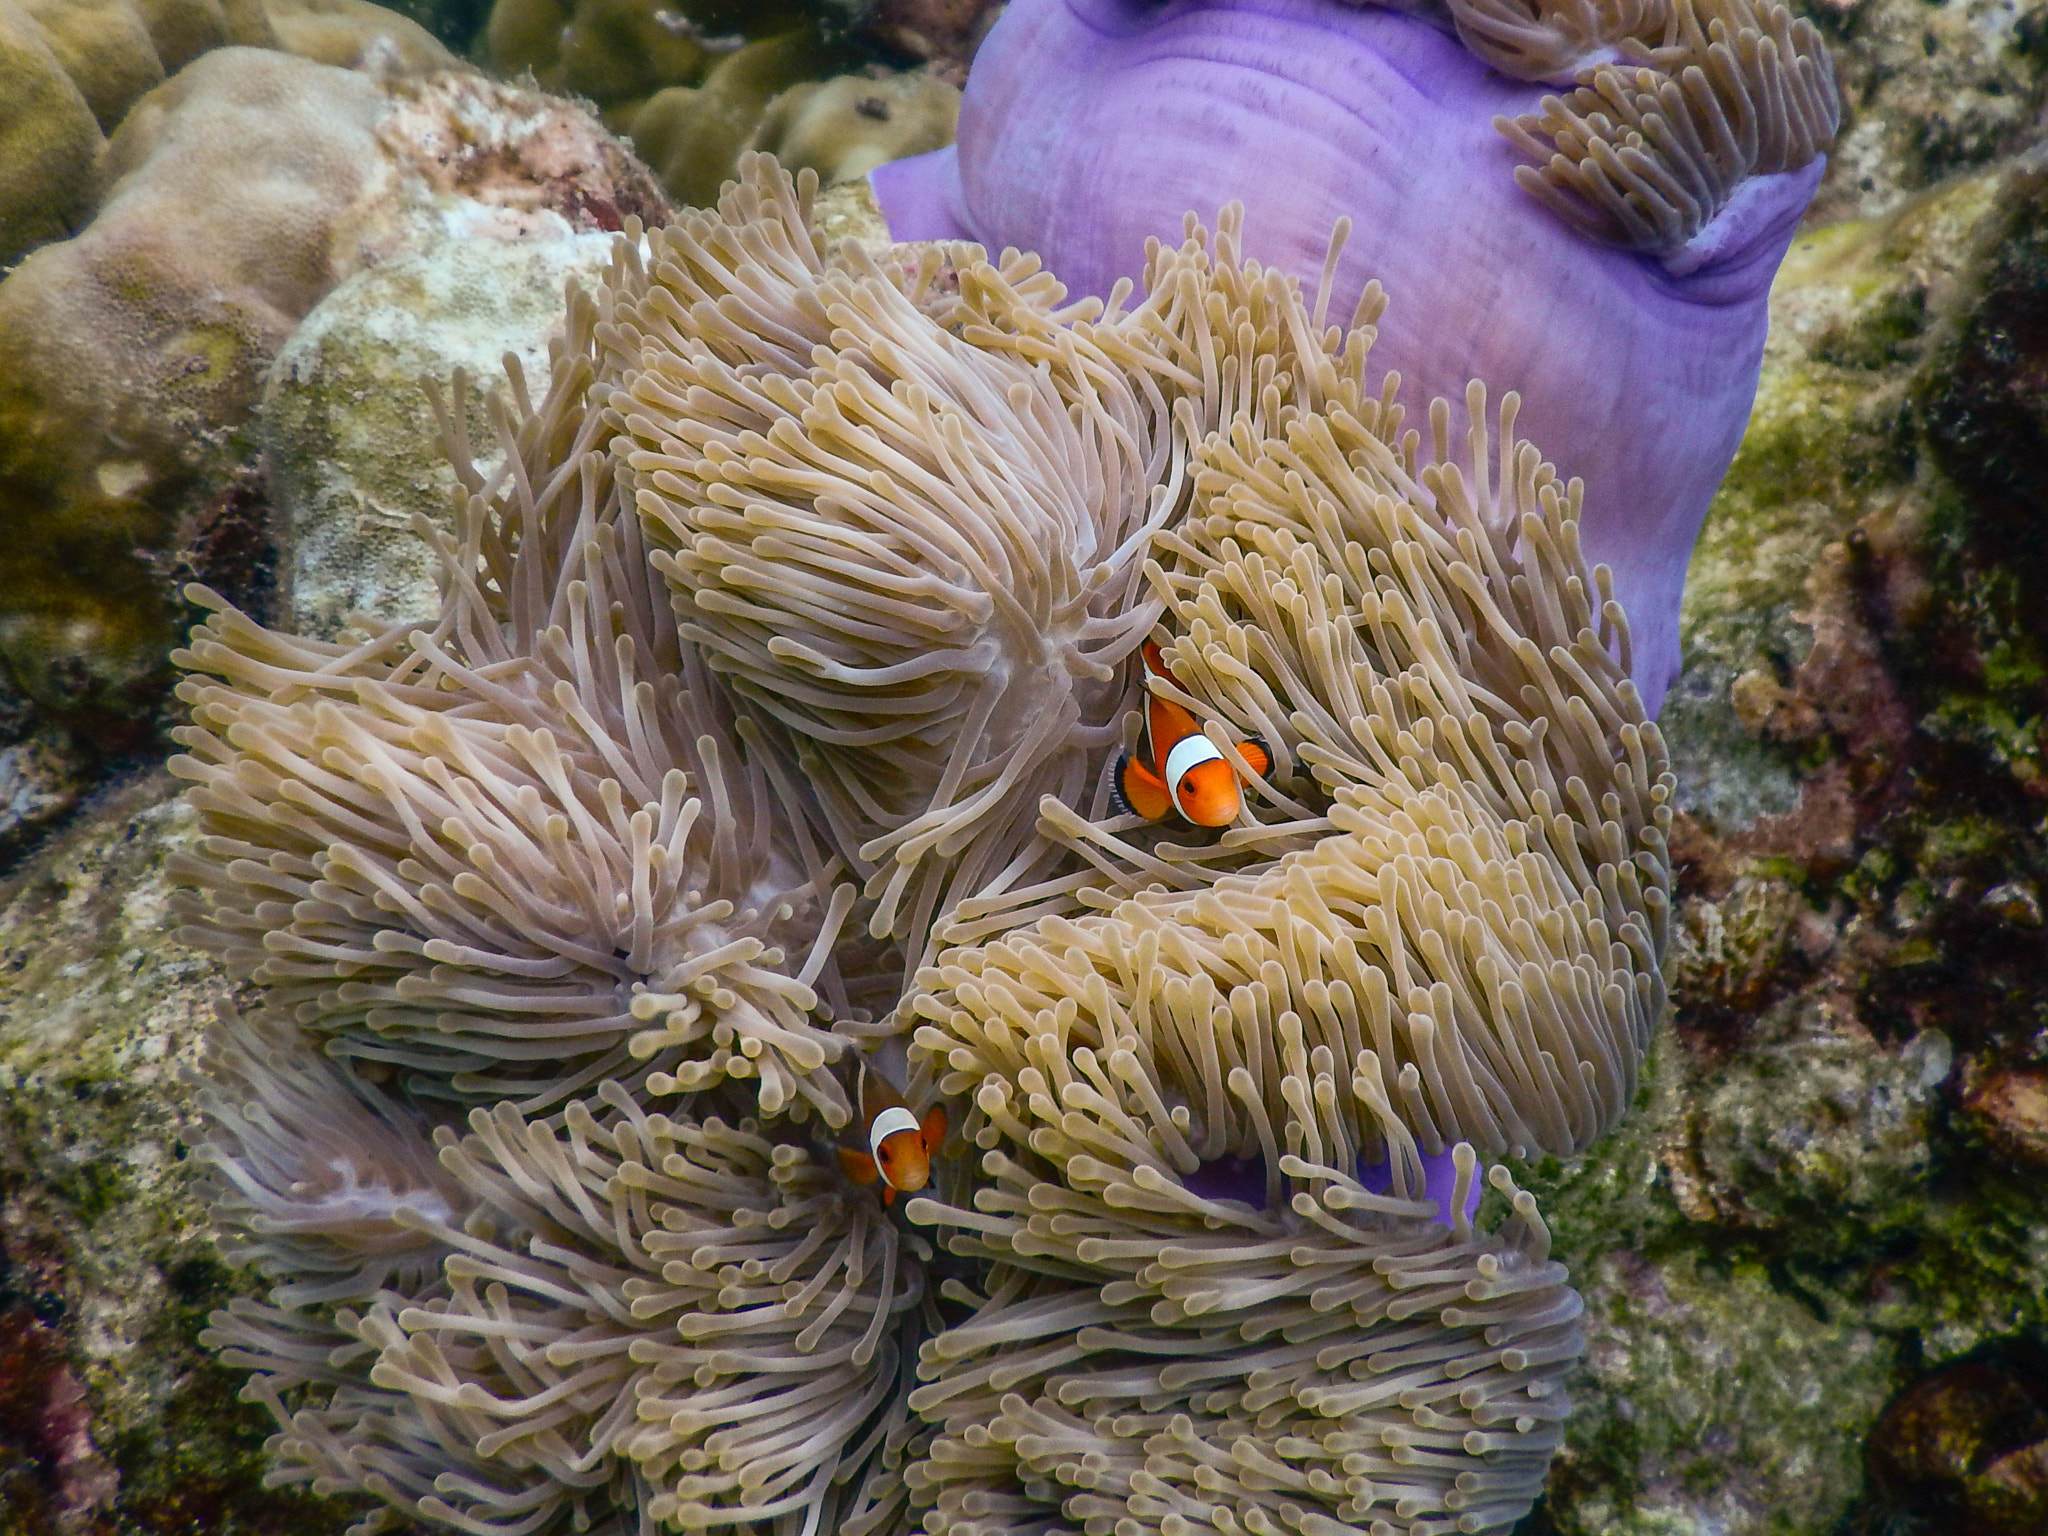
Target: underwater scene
{"type": "Point", "coordinates": [955, 768]}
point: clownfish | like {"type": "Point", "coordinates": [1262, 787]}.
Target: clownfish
{"type": "Point", "coordinates": [900, 1147]}
{"type": "Point", "coordinates": [1177, 768]}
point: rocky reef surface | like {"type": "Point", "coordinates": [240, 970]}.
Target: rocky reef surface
{"type": "Point", "coordinates": [1815, 1257]}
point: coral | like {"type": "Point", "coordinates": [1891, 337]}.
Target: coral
{"type": "Point", "coordinates": [239, 193]}
{"type": "Point", "coordinates": [694, 135]}
{"type": "Point", "coordinates": [697, 86]}
{"type": "Point", "coordinates": [135, 342]}
{"type": "Point", "coordinates": [765, 96]}
{"type": "Point", "coordinates": [47, 141]}
{"type": "Point", "coordinates": [622, 51]}
{"type": "Point", "coordinates": [58, 56]}
{"type": "Point", "coordinates": [1089, 125]}
{"type": "Point", "coordinates": [355, 33]}
{"type": "Point", "coordinates": [106, 49]}
{"type": "Point", "coordinates": [844, 127]}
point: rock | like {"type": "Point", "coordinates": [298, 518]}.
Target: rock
{"type": "Point", "coordinates": [40, 779]}
{"type": "Point", "coordinates": [111, 1417]}
{"type": "Point", "coordinates": [1927, 90]}
{"type": "Point", "coordinates": [352, 450]}
{"type": "Point", "coordinates": [1985, 397]}
{"type": "Point", "coordinates": [1967, 1445]}
{"type": "Point", "coordinates": [1836, 1151]}
{"type": "Point", "coordinates": [2010, 1106]}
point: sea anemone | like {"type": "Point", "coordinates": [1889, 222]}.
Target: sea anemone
{"type": "Point", "coordinates": [1620, 288]}
{"type": "Point", "coordinates": [912, 549]}
{"type": "Point", "coordinates": [812, 568]}
{"type": "Point", "coordinates": [1197, 1308]}
{"type": "Point", "coordinates": [637, 1320]}
{"type": "Point", "coordinates": [524, 850]}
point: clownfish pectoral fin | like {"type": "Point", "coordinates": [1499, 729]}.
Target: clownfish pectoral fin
{"type": "Point", "coordinates": [1140, 789]}
{"type": "Point", "coordinates": [1257, 755]}
{"type": "Point", "coordinates": [857, 1166]}
{"type": "Point", "coordinates": [933, 1129]}
{"type": "Point", "coordinates": [888, 1194]}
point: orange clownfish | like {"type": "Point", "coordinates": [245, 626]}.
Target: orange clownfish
{"type": "Point", "coordinates": [1177, 768]}
{"type": "Point", "coordinates": [900, 1147]}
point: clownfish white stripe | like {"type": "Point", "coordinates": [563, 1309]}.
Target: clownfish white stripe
{"type": "Point", "coordinates": [891, 1120]}
{"type": "Point", "coordinates": [1189, 752]}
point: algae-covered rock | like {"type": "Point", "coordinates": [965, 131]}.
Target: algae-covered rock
{"type": "Point", "coordinates": [1928, 89]}
{"type": "Point", "coordinates": [351, 448]}
{"type": "Point", "coordinates": [1968, 1444]}
{"type": "Point", "coordinates": [116, 1421]}
{"type": "Point", "coordinates": [1827, 1190]}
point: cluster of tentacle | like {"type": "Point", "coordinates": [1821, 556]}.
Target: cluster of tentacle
{"type": "Point", "coordinates": [1677, 104]}
{"type": "Point", "coordinates": [769, 719]}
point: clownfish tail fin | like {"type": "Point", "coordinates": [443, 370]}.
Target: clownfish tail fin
{"type": "Point", "coordinates": [1140, 791]}
{"type": "Point", "coordinates": [1118, 800]}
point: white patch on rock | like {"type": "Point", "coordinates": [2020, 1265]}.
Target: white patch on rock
{"type": "Point", "coordinates": [350, 442]}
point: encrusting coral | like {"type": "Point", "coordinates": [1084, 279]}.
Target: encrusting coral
{"type": "Point", "coordinates": [1215, 1267]}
